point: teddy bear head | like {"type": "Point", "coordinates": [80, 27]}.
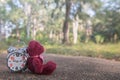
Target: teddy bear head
{"type": "Point", "coordinates": [34, 48]}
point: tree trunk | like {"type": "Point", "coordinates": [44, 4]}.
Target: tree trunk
{"type": "Point", "coordinates": [27, 10]}
{"type": "Point", "coordinates": [18, 33]}
{"type": "Point", "coordinates": [65, 26]}
{"type": "Point", "coordinates": [0, 30]}
{"type": "Point", "coordinates": [65, 32]}
{"type": "Point", "coordinates": [28, 27]}
{"type": "Point", "coordinates": [34, 30]}
{"type": "Point", "coordinates": [75, 31]}
{"type": "Point", "coordinates": [51, 34]}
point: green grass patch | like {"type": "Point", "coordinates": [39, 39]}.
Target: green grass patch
{"type": "Point", "coordinates": [3, 46]}
{"type": "Point", "coordinates": [108, 51]}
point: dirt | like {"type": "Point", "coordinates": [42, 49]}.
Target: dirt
{"type": "Point", "coordinates": [68, 68]}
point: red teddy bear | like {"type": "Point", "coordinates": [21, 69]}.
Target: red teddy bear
{"type": "Point", "coordinates": [35, 59]}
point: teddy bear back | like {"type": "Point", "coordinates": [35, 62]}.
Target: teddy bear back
{"type": "Point", "coordinates": [34, 48]}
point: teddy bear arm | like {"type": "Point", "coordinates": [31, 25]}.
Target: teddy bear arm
{"type": "Point", "coordinates": [37, 64]}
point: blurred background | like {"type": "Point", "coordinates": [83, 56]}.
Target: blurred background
{"type": "Point", "coordinates": [68, 27]}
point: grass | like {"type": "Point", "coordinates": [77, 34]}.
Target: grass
{"type": "Point", "coordinates": [3, 47]}
{"type": "Point", "coordinates": [108, 51]}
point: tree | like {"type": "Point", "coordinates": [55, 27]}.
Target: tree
{"type": "Point", "coordinates": [65, 26]}
{"type": "Point", "coordinates": [3, 18]}
{"type": "Point", "coordinates": [80, 10]}
{"type": "Point", "coordinates": [108, 25]}
{"type": "Point", "coordinates": [15, 15]}
{"type": "Point", "coordinates": [27, 10]}
{"type": "Point", "coordinates": [75, 29]}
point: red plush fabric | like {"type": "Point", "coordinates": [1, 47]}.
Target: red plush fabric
{"type": "Point", "coordinates": [35, 62]}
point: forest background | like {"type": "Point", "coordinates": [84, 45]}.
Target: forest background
{"type": "Point", "coordinates": [68, 27]}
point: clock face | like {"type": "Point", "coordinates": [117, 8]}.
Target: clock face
{"type": "Point", "coordinates": [17, 61]}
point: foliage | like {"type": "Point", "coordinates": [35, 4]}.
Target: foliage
{"type": "Point", "coordinates": [99, 39]}
{"type": "Point", "coordinates": [3, 47]}
{"type": "Point", "coordinates": [51, 16]}
{"type": "Point", "coordinates": [106, 21]}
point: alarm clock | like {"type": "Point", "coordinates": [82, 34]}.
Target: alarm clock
{"type": "Point", "coordinates": [16, 59]}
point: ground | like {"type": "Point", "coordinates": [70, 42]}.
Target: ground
{"type": "Point", "coordinates": [68, 68]}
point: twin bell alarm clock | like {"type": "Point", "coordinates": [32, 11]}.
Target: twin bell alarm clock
{"type": "Point", "coordinates": [17, 58]}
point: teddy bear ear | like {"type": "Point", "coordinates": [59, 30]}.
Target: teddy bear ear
{"type": "Point", "coordinates": [33, 42]}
